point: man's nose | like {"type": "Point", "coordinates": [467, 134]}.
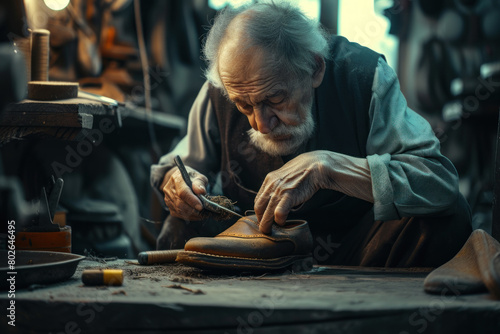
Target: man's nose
{"type": "Point", "coordinates": [263, 120]}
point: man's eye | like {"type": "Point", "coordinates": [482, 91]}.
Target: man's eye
{"type": "Point", "coordinates": [246, 108]}
{"type": "Point", "coordinates": [276, 100]}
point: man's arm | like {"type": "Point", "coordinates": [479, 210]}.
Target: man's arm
{"type": "Point", "coordinates": [409, 174]}
{"type": "Point", "coordinates": [404, 173]}
{"type": "Point", "coordinates": [198, 149]}
{"type": "Point", "coordinates": [300, 178]}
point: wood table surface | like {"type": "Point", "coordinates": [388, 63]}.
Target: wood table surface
{"type": "Point", "coordinates": [177, 299]}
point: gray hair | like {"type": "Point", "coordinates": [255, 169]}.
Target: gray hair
{"type": "Point", "coordinates": [281, 29]}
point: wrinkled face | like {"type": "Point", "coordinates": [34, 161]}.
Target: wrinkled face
{"type": "Point", "coordinates": [279, 110]}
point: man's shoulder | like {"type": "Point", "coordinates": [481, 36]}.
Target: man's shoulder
{"type": "Point", "coordinates": [216, 95]}
{"type": "Point", "coordinates": [351, 64]}
{"type": "Point", "coordinates": [344, 53]}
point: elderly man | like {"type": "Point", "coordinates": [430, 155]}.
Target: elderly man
{"type": "Point", "coordinates": [294, 123]}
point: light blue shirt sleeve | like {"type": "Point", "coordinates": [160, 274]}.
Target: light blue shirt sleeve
{"type": "Point", "coordinates": [410, 177]}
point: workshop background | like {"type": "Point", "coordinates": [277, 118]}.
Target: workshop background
{"type": "Point", "coordinates": [145, 55]}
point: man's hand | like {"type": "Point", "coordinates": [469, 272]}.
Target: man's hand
{"type": "Point", "coordinates": [300, 178]}
{"type": "Point", "coordinates": [291, 185]}
{"type": "Point", "coordinates": [180, 200]}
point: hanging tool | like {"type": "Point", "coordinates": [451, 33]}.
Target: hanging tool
{"type": "Point", "coordinates": [45, 208]}
{"type": "Point", "coordinates": [55, 191]}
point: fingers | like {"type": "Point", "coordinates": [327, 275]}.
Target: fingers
{"type": "Point", "coordinates": [279, 193]}
{"type": "Point", "coordinates": [265, 202]}
{"type": "Point", "coordinates": [276, 211]}
{"type": "Point", "coordinates": [266, 192]}
{"type": "Point", "coordinates": [267, 219]}
{"type": "Point", "coordinates": [260, 205]}
{"type": "Point", "coordinates": [187, 196]}
{"type": "Point", "coordinates": [179, 208]}
{"type": "Point", "coordinates": [180, 199]}
{"type": "Point", "coordinates": [283, 208]}
{"type": "Point", "coordinates": [200, 182]}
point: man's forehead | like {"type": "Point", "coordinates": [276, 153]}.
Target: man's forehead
{"type": "Point", "coordinates": [232, 58]}
{"type": "Point", "coordinates": [245, 95]}
{"type": "Point", "coordinates": [250, 77]}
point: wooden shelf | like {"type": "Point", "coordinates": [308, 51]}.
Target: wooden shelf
{"type": "Point", "coordinates": [62, 119]}
{"type": "Point", "coordinates": [65, 119]}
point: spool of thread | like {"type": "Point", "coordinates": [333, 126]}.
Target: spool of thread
{"type": "Point", "coordinates": [93, 277]}
{"type": "Point", "coordinates": [40, 39]}
{"type": "Point", "coordinates": [152, 257]}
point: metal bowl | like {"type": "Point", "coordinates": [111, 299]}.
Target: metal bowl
{"type": "Point", "coordinates": [37, 267]}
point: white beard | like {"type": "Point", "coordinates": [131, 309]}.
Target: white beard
{"type": "Point", "coordinates": [299, 134]}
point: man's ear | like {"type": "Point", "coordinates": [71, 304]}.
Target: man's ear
{"type": "Point", "coordinates": [319, 73]}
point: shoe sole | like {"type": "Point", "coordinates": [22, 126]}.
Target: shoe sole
{"type": "Point", "coordinates": [210, 261]}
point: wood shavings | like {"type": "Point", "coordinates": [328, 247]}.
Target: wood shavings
{"type": "Point", "coordinates": [138, 277]}
{"type": "Point", "coordinates": [261, 277]}
{"type": "Point", "coordinates": [119, 292]}
{"type": "Point", "coordinates": [220, 214]}
{"type": "Point", "coordinates": [189, 280]}
{"type": "Point", "coordinates": [178, 286]}
{"type": "Point", "coordinates": [90, 256]}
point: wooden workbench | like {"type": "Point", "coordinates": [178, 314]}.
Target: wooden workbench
{"type": "Point", "coordinates": [70, 119]}
{"type": "Point", "coordinates": [177, 299]}
{"type": "Point", "coordinates": [64, 119]}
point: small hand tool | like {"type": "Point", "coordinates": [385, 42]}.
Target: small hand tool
{"type": "Point", "coordinates": [99, 98]}
{"type": "Point", "coordinates": [207, 204]}
{"type": "Point", "coordinates": [102, 277]}
{"type": "Point", "coordinates": [160, 256]}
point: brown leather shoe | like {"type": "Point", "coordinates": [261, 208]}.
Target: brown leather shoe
{"type": "Point", "coordinates": [244, 247]}
{"type": "Point", "coordinates": [476, 268]}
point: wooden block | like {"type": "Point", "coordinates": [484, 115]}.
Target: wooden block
{"type": "Point", "coordinates": [52, 90]}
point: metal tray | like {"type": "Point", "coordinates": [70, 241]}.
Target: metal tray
{"type": "Point", "coordinates": [38, 267]}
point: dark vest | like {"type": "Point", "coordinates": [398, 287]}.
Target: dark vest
{"type": "Point", "coordinates": [342, 125]}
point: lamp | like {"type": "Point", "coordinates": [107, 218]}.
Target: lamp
{"type": "Point", "coordinates": [56, 4]}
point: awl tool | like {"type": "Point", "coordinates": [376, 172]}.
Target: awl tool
{"type": "Point", "coordinates": [207, 204]}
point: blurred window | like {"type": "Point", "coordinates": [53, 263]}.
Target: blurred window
{"type": "Point", "coordinates": [360, 21]}
{"type": "Point", "coordinates": [363, 22]}
{"type": "Point", "coordinates": [310, 8]}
